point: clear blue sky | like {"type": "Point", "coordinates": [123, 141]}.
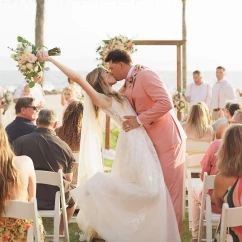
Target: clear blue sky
{"type": "Point", "coordinates": [78, 26]}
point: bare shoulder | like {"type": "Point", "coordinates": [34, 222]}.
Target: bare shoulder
{"type": "Point", "coordinates": [223, 182]}
{"type": "Point", "coordinates": [23, 161]}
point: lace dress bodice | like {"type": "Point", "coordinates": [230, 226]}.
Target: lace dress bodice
{"type": "Point", "coordinates": [118, 110]}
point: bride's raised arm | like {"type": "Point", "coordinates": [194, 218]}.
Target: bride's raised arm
{"type": "Point", "coordinates": [98, 99]}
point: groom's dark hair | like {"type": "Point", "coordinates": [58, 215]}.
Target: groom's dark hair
{"type": "Point", "coordinates": [118, 56]}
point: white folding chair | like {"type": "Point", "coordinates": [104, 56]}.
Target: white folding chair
{"type": "Point", "coordinates": [55, 179]}
{"type": "Point", "coordinates": [197, 147]}
{"type": "Point", "coordinates": [192, 165]}
{"type": "Point", "coordinates": [231, 217]}
{"type": "Point", "coordinates": [207, 218]}
{"type": "Point", "coordinates": [25, 210]}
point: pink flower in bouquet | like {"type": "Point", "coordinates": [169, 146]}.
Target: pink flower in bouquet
{"type": "Point", "coordinates": [130, 44]}
{"type": "Point", "coordinates": [32, 58]}
{"type": "Point", "coordinates": [22, 59]}
{"type": "Point", "coordinates": [120, 46]}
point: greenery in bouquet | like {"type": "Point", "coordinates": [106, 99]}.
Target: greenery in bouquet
{"type": "Point", "coordinates": [117, 42]}
{"type": "Point", "coordinates": [179, 100]}
{"type": "Point", "coordinates": [28, 64]}
{"type": "Point", "coordinates": [7, 99]}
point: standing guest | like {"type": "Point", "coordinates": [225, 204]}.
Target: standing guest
{"type": "Point", "coordinates": [49, 153]}
{"type": "Point", "coordinates": [199, 91]}
{"type": "Point", "coordinates": [17, 182]}
{"type": "Point", "coordinates": [37, 92]}
{"type": "Point", "coordinates": [70, 131]}
{"type": "Point", "coordinates": [27, 91]}
{"type": "Point", "coordinates": [26, 112]}
{"type": "Point", "coordinates": [228, 182]}
{"type": "Point", "coordinates": [221, 92]}
{"type": "Point", "coordinates": [68, 95]}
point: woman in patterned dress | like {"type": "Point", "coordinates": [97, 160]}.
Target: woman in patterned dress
{"type": "Point", "coordinates": [17, 182]}
{"type": "Point", "coordinates": [228, 182]}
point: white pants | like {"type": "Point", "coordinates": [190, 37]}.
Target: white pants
{"type": "Point", "coordinates": [196, 202]}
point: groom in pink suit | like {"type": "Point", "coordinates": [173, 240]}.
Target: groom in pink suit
{"type": "Point", "coordinates": [150, 99]}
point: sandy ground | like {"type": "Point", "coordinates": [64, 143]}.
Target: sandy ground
{"type": "Point", "coordinates": [53, 101]}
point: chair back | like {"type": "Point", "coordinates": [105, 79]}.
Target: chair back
{"type": "Point", "coordinates": [231, 217]}
{"type": "Point", "coordinates": [197, 147]}
{"type": "Point", "coordinates": [25, 210]}
{"type": "Point", "coordinates": [55, 179]}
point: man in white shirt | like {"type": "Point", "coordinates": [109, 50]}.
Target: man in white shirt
{"type": "Point", "coordinates": [222, 91]}
{"type": "Point", "coordinates": [36, 92]}
{"type": "Point", "coordinates": [198, 91]}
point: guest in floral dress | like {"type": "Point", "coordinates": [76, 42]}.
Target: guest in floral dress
{"type": "Point", "coordinates": [228, 182]}
{"type": "Point", "coordinates": [17, 182]}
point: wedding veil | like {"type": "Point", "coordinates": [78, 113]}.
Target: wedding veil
{"type": "Point", "coordinates": [90, 158]}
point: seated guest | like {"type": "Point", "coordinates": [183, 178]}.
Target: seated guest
{"type": "Point", "coordinates": [224, 118]}
{"type": "Point", "coordinates": [17, 182]}
{"type": "Point", "coordinates": [237, 118]}
{"type": "Point", "coordinates": [228, 182]}
{"type": "Point", "coordinates": [229, 114]}
{"type": "Point", "coordinates": [70, 131]}
{"type": "Point", "coordinates": [197, 127]}
{"type": "Point", "coordinates": [26, 113]}
{"type": "Point", "coordinates": [49, 153]}
{"type": "Point", "coordinates": [208, 164]}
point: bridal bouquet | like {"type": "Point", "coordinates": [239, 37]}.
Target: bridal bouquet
{"type": "Point", "coordinates": [118, 42]}
{"type": "Point", "coordinates": [7, 99]}
{"type": "Point", "coordinates": [28, 64]}
{"type": "Point", "coordinates": [179, 100]}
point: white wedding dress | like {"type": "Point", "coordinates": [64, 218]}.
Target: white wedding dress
{"type": "Point", "coordinates": [132, 203]}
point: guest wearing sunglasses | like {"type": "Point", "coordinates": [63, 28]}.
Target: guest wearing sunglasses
{"type": "Point", "coordinates": [26, 114]}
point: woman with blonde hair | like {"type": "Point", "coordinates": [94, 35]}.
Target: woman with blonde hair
{"type": "Point", "coordinates": [228, 182]}
{"type": "Point", "coordinates": [17, 182]}
{"type": "Point", "coordinates": [197, 125]}
{"type": "Point", "coordinates": [131, 203]}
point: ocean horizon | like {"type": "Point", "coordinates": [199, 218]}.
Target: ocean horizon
{"type": "Point", "coordinates": [55, 79]}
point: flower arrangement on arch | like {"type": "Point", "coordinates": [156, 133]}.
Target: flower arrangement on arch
{"type": "Point", "coordinates": [179, 100]}
{"type": "Point", "coordinates": [6, 100]}
{"type": "Point", "coordinates": [28, 64]}
{"type": "Point", "coordinates": [117, 42]}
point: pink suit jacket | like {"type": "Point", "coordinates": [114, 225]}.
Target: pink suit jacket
{"type": "Point", "coordinates": [153, 105]}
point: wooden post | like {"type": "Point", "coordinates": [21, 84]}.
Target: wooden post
{"type": "Point", "coordinates": [178, 75]}
{"type": "Point", "coordinates": [107, 133]}
{"type": "Point", "coordinates": [184, 46]}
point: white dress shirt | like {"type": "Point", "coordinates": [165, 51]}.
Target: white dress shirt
{"type": "Point", "coordinates": [199, 93]}
{"type": "Point", "coordinates": [222, 91]}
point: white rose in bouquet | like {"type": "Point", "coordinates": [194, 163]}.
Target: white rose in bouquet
{"type": "Point", "coordinates": [28, 49]}
{"type": "Point", "coordinates": [23, 68]}
{"type": "Point", "coordinates": [30, 66]}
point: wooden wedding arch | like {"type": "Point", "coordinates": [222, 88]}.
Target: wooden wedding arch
{"type": "Point", "coordinates": [178, 44]}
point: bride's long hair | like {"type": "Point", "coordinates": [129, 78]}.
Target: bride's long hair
{"type": "Point", "coordinates": [96, 79]}
{"type": "Point", "coordinates": [9, 181]}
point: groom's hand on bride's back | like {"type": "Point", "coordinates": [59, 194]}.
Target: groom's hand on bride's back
{"type": "Point", "coordinates": [130, 123]}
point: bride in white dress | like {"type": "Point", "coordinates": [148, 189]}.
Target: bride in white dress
{"type": "Point", "coordinates": [131, 204]}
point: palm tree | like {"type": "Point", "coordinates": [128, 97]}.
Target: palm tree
{"type": "Point", "coordinates": [39, 26]}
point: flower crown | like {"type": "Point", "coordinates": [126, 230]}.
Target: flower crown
{"type": "Point", "coordinates": [118, 42]}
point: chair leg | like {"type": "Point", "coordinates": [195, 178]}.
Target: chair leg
{"type": "Point", "coordinates": [56, 227]}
